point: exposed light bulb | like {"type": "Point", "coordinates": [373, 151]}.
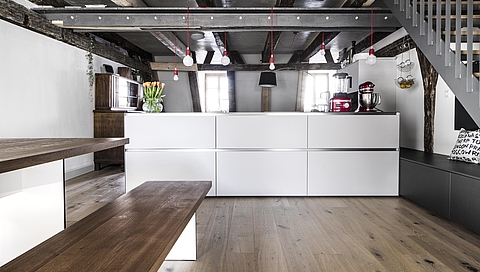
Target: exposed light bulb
{"type": "Point", "coordinates": [188, 60]}
{"type": "Point", "coordinates": [225, 60]}
{"type": "Point", "coordinates": [322, 49]}
{"type": "Point", "coordinates": [272, 64]}
{"type": "Point", "coordinates": [371, 59]}
{"type": "Point", "coordinates": [175, 74]}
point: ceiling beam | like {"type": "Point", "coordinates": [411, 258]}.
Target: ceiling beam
{"type": "Point", "coordinates": [209, 57]}
{"type": "Point", "coordinates": [168, 39]}
{"type": "Point", "coordinates": [236, 57]}
{"type": "Point", "coordinates": [264, 67]}
{"type": "Point", "coordinates": [118, 40]}
{"type": "Point", "coordinates": [314, 46]}
{"type": "Point", "coordinates": [53, 3]}
{"type": "Point", "coordinates": [170, 66]}
{"type": "Point", "coordinates": [224, 19]}
{"type": "Point", "coordinates": [295, 58]}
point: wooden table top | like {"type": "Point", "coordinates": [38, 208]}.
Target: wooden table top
{"type": "Point", "coordinates": [133, 233]}
{"type": "Point", "coordinates": [18, 153]}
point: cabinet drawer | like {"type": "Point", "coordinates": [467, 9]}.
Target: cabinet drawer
{"type": "Point", "coordinates": [262, 173]}
{"type": "Point", "coordinates": [261, 131]}
{"type": "Point", "coordinates": [354, 173]}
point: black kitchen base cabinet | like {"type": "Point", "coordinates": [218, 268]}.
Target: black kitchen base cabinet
{"type": "Point", "coordinates": [426, 186]}
{"type": "Point", "coordinates": [465, 202]}
{"type": "Point", "coordinates": [449, 188]}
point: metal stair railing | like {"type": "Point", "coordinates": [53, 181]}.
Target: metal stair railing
{"type": "Point", "coordinates": [425, 28]}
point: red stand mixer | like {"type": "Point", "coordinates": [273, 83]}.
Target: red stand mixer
{"type": "Point", "coordinates": [367, 99]}
{"type": "Point", "coordinates": [340, 102]}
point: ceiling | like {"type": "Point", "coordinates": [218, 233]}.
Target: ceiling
{"type": "Point", "coordinates": [297, 26]}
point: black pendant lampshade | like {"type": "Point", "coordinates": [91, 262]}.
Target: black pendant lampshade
{"type": "Point", "coordinates": [268, 79]}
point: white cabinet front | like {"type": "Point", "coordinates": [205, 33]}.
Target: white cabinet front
{"type": "Point", "coordinates": [354, 173]}
{"type": "Point", "coordinates": [262, 173]}
{"type": "Point", "coordinates": [170, 165]}
{"type": "Point", "coordinates": [353, 131]}
{"type": "Point", "coordinates": [261, 131]}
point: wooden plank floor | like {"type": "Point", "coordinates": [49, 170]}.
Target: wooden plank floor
{"type": "Point", "coordinates": [304, 233]}
{"type": "Point", "coordinates": [87, 193]}
{"type": "Point", "coordinates": [327, 234]}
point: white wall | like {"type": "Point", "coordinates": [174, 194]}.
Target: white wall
{"type": "Point", "coordinates": [410, 105]}
{"type": "Point", "coordinates": [45, 90]}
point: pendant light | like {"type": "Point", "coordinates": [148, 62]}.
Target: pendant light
{"type": "Point", "coordinates": [371, 59]}
{"type": "Point", "coordinates": [175, 71]}
{"type": "Point", "coordinates": [322, 47]}
{"type": "Point", "coordinates": [272, 60]}
{"type": "Point", "coordinates": [188, 60]}
{"type": "Point", "coordinates": [225, 60]}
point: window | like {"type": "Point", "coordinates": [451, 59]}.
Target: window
{"type": "Point", "coordinates": [216, 92]}
{"type": "Point", "coordinates": [316, 83]}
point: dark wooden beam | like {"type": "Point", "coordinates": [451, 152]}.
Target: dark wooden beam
{"type": "Point", "coordinates": [21, 16]}
{"type": "Point", "coordinates": [53, 3]}
{"type": "Point", "coordinates": [396, 47]}
{"type": "Point", "coordinates": [328, 56]}
{"type": "Point", "coordinates": [264, 67]}
{"type": "Point", "coordinates": [285, 3]}
{"type": "Point", "coordinates": [430, 77]}
{"type": "Point", "coordinates": [193, 79]}
{"type": "Point", "coordinates": [314, 46]}
{"type": "Point", "coordinates": [236, 57]}
{"type": "Point", "coordinates": [232, 107]}
{"type": "Point", "coordinates": [219, 41]}
{"type": "Point", "coordinates": [205, 3]}
{"type": "Point", "coordinates": [168, 38]}
{"type": "Point", "coordinates": [295, 58]}
{"type": "Point", "coordinates": [209, 57]}
{"type": "Point", "coordinates": [267, 47]}
{"type": "Point", "coordinates": [131, 48]}
{"type": "Point", "coordinates": [363, 44]}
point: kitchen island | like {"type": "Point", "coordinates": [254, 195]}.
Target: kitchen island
{"type": "Point", "coordinates": [32, 195]}
{"type": "Point", "coordinates": [267, 154]}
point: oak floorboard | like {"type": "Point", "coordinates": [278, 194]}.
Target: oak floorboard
{"type": "Point", "coordinates": [328, 234]}
{"type": "Point", "coordinates": [89, 192]}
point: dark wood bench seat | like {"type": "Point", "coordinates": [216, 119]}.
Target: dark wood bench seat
{"type": "Point", "coordinates": [133, 233]}
{"type": "Point", "coordinates": [449, 188]}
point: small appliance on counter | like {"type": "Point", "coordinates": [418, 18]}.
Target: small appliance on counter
{"type": "Point", "coordinates": [367, 99]}
{"type": "Point", "coordinates": [341, 102]}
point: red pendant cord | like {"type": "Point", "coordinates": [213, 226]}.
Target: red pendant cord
{"type": "Point", "coordinates": [175, 50]}
{"type": "Point", "coordinates": [188, 27]}
{"type": "Point", "coordinates": [323, 37]}
{"type": "Point", "coordinates": [371, 26]}
{"type": "Point", "coordinates": [225, 38]}
{"type": "Point", "coordinates": [271, 31]}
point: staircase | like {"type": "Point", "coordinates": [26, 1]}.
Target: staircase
{"type": "Point", "coordinates": [437, 27]}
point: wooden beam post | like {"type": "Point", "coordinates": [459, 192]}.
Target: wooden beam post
{"type": "Point", "coordinates": [266, 97]}
{"type": "Point", "coordinates": [232, 107]}
{"type": "Point", "coordinates": [430, 77]}
{"type": "Point", "coordinates": [193, 79]}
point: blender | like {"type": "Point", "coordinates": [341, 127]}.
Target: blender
{"type": "Point", "coordinates": [367, 99]}
{"type": "Point", "coordinates": [340, 102]}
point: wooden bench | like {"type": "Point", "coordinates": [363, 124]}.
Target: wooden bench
{"type": "Point", "coordinates": [133, 233]}
{"type": "Point", "coordinates": [449, 188]}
